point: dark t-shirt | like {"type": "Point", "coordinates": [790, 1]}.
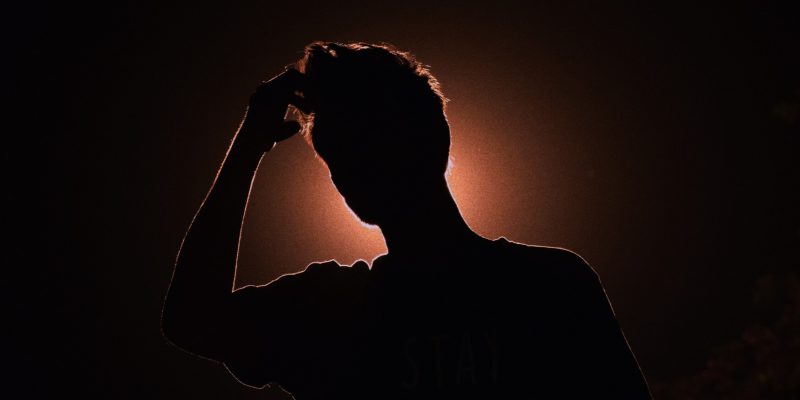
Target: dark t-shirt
{"type": "Point", "coordinates": [496, 320]}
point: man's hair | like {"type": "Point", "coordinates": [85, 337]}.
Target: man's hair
{"type": "Point", "coordinates": [389, 99]}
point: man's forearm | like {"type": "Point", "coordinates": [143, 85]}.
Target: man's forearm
{"type": "Point", "coordinates": [212, 241]}
{"type": "Point", "coordinates": [206, 265]}
{"type": "Point", "coordinates": [197, 302]}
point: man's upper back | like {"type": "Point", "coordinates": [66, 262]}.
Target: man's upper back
{"type": "Point", "coordinates": [493, 319]}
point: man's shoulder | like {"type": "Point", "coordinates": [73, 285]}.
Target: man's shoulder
{"type": "Point", "coordinates": [555, 261]}
{"type": "Point", "coordinates": [330, 269]}
{"type": "Point", "coordinates": [316, 275]}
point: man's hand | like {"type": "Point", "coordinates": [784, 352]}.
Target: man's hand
{"type": "Point", "coordinates": [264, 123]}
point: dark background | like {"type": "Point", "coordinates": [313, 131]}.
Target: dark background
{"type": "Point", "coordinates": [659, 142]}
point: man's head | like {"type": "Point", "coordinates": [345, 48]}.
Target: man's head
{"type": "Point", "coordinates": [378, 122]}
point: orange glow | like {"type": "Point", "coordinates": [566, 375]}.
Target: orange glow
{"type": "Point", "coordinates": [295, 214]}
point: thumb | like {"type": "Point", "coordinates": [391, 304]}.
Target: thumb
{"type": "Point", "coordinates": [287, 130]}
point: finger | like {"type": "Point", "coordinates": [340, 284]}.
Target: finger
{"type": "Point", "coordinates": [300, 103]}
{"type": "Point", "coordinates": [282, 86]}
{"type": "Point", "coordinates": [287, 130]}
{"type": "Point", "coordinates": [290, 78]}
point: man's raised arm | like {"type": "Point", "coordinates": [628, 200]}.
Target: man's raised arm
{"type": "Point", "coordinates": [196, 306]}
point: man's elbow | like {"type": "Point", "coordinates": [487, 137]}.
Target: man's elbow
{"type": "Point", "coordinates": [176, 331]}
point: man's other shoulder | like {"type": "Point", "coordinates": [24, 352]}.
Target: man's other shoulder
{"type": "Point", "coordinates": [322, 275]}
{"type": "Point", "coordinates": [315, 276]}
{"type": "Point", "coordinates": [556, 261]}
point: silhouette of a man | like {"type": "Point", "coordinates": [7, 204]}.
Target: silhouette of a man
{"type": "Point", "coordinates": [446, 314]}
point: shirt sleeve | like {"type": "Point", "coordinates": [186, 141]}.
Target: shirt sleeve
{"type": "Point", "coordinates": [605, 360]}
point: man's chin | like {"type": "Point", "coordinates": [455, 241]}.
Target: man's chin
{"type": "Point", "coordinates": [367, 219]}
{"type": "Point", "coordinates": [384, 212]}
{"type": "Point", "coordinates": [370, 217]}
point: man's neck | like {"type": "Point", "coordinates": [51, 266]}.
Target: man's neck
{"type": "Point", "coordinates": [433, 226]}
